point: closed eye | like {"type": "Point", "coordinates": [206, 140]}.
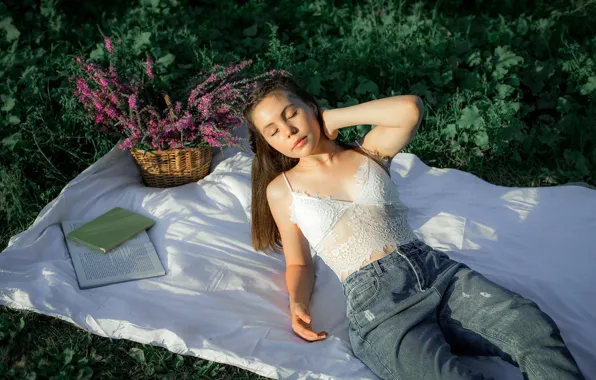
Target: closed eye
{"type": "Point", "coordinates": [295, 113]}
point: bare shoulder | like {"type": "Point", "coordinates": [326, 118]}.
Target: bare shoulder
{"type": "Point", "coordinates": [295, 246]}
{"type": "Point", "coordinates": [279, 198]}
{"type": "Point", "coordinates": [277, 190]}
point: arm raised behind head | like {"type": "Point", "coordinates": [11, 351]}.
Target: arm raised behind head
{"type": "Point", "coordinates": [396, 120]}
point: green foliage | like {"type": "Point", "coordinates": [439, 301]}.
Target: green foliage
{"type": "Point", "coordinates": [40, 347]}
{"type": "Point", "coordinates": [509, 89]}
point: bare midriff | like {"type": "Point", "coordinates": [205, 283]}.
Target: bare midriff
{"type": "Point", "coordinates": [376, 255]}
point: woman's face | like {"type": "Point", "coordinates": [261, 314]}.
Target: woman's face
{"type": "Point", "coordinates": [288, 124]}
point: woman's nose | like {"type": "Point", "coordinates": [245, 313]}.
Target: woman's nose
{"type": "Point", "coordinates": [290, 130]}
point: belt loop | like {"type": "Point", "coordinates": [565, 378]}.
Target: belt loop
{"type": "Point", "coordinates": [377, 267]}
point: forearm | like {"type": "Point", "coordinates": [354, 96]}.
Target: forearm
{"type": "Point", "coordinates": [396, 111]}
{"type": "Point", "coordinates": [300, 280]}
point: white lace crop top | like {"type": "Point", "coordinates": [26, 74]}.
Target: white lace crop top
{"type": "Point", "coordinates": [345, 234]}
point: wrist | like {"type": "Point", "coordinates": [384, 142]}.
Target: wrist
{"type": "Point", "coordinates": [328, 118]}
{"type": "Point", "coordinates": [294, 304]}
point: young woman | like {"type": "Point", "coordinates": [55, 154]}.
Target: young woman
{"type": "Point", "coordinates": [411, 308]}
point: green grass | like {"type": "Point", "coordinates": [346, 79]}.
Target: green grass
{"type": "Point", "coordinates": [509, 89]}
{"type": "Point", "coordinates": [47, 347]}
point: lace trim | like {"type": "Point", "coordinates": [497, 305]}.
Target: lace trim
{"type": "Point", "coordinates": [362, 172]}
{"type": "Point", "coordinates": [293, 217]}
{"type": "Point", "coordinates": [316, 196]}
{"type": "Point", "coordinates": [359, 176]}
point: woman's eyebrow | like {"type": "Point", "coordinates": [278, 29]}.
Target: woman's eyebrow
{"type": "Point", "coordinates": [282, 114]}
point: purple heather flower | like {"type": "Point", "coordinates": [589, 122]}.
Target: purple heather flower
{"type": "Point", "coordinates": [113, 74]}
{"type": "Point", "coordinates": [111, 112]}
{"type": "Point", "coordinates": [149, 67]}
{"type": "Point", "coordinates": [208, 116]}
{"type": "Point", "coordinates": [108, 44]}
{"type": "Point", "coordinates": [132, 101]}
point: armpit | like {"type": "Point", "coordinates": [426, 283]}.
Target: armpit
{"type": "Point", "coordinates": [384, 160]}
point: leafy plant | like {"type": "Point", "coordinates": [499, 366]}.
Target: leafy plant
{"type": "Point", "coordinates": [508, 89]}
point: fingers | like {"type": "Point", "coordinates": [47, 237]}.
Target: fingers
{"type": "Point", "coordinates": [301, 321]}
{"type": "Point", "coordinates": [309, 335]}
{"type": "Point", "coordinates": [304, 330]}
{"type": "Point", "coordinates": [335, 134]}
{"type": "Point", "coordinates": [331, 134]}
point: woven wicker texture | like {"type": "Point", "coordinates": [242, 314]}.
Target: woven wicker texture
{"type": "Point", "coordinates": [173, 167]}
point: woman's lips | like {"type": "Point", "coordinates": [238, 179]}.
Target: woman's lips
{"type": "Point", "coordinates": [299, 143]}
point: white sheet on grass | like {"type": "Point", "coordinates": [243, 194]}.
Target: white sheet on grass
{"type": "Point", "coordinates": [222, 301]}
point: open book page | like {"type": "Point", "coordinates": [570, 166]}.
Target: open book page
{"type": "Point", "coordinates": [134, 259]}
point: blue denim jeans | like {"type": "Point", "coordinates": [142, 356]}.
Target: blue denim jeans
{"type": "Point", "coordinates": [413, 311]}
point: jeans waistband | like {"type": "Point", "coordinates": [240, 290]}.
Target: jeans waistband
{"type": "Point", "coordinates": [378, 266]}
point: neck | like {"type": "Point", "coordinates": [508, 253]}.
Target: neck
{"type": "Point", "coordinates": [324, 154]}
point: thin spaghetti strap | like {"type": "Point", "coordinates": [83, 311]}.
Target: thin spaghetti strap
{"type": "Point", "coordinates": [288, 182]}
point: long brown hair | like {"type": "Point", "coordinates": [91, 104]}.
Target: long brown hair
{"type": "Point", "coordinates": [268, 163]}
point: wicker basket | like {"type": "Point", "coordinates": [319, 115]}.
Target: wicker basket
{"type": "Point", "coordinates": [173, 167]}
